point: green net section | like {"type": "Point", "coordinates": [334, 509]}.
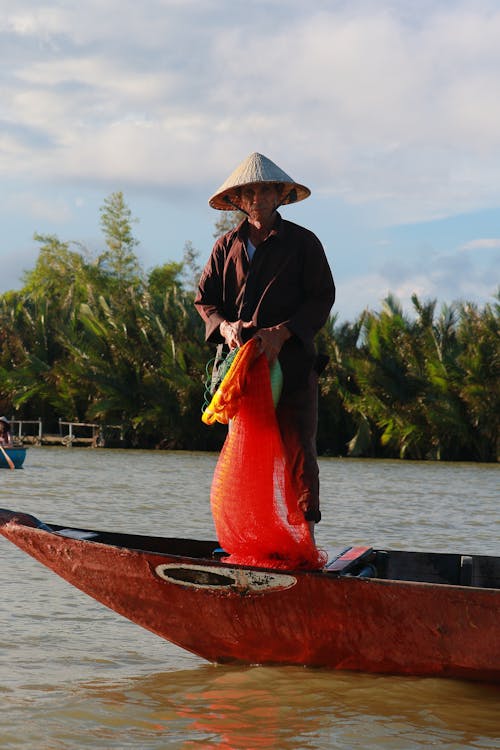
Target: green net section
{"type": "Point", "coordinates": [217, 367]}
{"type": "Point", "coordinates": [215, 372]}
{"type": "Point", "coordinates": [276, 377]}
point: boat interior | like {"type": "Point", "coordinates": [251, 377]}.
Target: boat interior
{"type": "Point", "coordinates": [480, 571]}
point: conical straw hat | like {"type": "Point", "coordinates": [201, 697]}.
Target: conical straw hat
{"type": "Point", "coordinates": [257, 168]}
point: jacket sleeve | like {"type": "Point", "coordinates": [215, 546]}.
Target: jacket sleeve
{"type": "Point", "coordinates": [209, 297]}
{"type": "Point", "coordinates": [319, 292]}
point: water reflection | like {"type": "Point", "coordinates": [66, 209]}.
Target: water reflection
{"type": "Point", "coordinates": [291, 709]}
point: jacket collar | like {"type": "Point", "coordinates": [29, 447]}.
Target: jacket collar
{"type": "Point", "coordinates": [277, 230]}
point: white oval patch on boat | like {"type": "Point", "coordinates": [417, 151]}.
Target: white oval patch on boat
{"type": "Point", "coordinates": [224, 578]}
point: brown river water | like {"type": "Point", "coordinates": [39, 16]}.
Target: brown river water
{"type": "Point", "coordinates": [76, 675]}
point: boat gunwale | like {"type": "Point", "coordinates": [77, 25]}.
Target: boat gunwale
{"type": "Point", "coordinates": [323, 573]}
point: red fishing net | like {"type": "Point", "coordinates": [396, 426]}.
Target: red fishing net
{"type": "Point", "coordinates": [254, 506]}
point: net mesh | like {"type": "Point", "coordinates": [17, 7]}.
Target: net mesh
{"type": "Point", "coordinates": [215, 371]}
{"type": "Point", "coordinates": [253, 502]}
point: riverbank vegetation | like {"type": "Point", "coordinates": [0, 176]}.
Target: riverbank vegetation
{"type": "Point", "coordinates": [94, 337]}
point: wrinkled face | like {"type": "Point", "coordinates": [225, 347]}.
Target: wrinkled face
{"type": "Point", "coordinates": [260, 199]}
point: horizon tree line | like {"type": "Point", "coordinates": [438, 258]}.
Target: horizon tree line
{"type": "Point", "coordinates": [93, 337]}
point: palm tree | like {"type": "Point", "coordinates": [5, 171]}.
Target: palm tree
{"type": "Point", "coordinates": [479, 359]}
{"type": "Point", "coordinates": [387, 384]}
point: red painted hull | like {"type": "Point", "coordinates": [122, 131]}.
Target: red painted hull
{"type": "Point", "coordinates": [235, 614]}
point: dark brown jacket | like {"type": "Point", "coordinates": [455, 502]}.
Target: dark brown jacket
{"type": "Point", "coordinates": [288, 281]}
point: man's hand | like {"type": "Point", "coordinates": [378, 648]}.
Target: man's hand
{"type": "Point", "coordinates": [272, 339]}
{"type": "Point", "coordinates": [232, 333]}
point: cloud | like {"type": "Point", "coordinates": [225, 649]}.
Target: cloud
{"type": "Point", "coordinates": [37, 207]}
{"type": "Point", "coordinates": [486, 243]}
{"type": "Point", "coordinates": [389, 111]}
{"type": "Point", "coordinates": [381, 105]}
{"type": "Point", "coordinates": [447, 277]}
{"type": "Point", "coordinates": [367, 291]}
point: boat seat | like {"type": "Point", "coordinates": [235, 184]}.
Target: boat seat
{"type": "Point", "coordinates": [349, 559]}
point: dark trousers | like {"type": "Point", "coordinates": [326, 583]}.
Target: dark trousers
{"type": "Point", "coordinates": [297, 415]}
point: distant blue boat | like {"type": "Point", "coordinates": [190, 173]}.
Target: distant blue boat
{"type": "Point", "coordinates": [16, 455]}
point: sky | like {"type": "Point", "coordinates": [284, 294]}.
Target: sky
{"type": "Point", "coordinates": [388, 110]}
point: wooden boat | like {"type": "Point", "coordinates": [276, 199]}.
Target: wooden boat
{"type": "Point", "coordinates": [371, 610]}
{"type": "Point", "coordinates": [16, 455]}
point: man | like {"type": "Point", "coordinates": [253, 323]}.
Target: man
{"type": "Point", "coordinates": [5, 436]}
{"type": "Point", "coordinates": [269, 278]}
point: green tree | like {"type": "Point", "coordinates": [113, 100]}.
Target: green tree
{"type": "Point", "coordinates": [191, 270]}
{"type": "Point", "coordinates": [94, 338]}
{"type": "Point", "coordinates": [337, 420]}
{"type": "Point", "coordinates": [119, 260]}
{"type": "Point", "coordinates": [163, 278]}
{"type": "Point", "coordinates": [479, 360]}
{"type": "Point", "coordinates": [59, 274]}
